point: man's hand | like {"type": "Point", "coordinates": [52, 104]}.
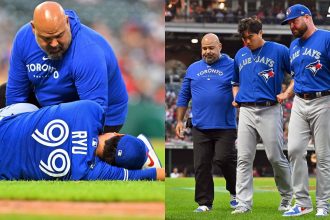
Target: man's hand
{"type": "Point", "coordinates": [282, 96]}
{"type": "Point", "coordinates": [160, 174]}
{"type": "Point", "coordinates": [235, 104]}
{"type": "Point", "coordinates": [179, 129]}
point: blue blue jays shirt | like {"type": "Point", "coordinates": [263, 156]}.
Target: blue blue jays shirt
{"type": "Point", "coordinates": [310, 62]}
{"type": "Point", "coordinates": [209, 88]}
{"type": "Point", "coordinates": [58, 142]}
{"type": "Point", "coordinates": [259, 73]}
{"type": "Point", "coordinates": [88, 70]}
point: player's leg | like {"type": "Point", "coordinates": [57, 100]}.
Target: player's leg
{"type": "Point", "coordinates": [270, 128]}
{"type": "Point", "coordinates": [226, 158]}
{"type": "Point", "coordinates": [203, 156]}
{"type": "Point", "coordinates": [298, 138]}
{"type": "Point", "coordinates": [320, 126]}
{"type": "Point", "coordinates": [246, 150]}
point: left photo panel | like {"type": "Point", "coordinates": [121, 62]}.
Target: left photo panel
{"type": "Point", "coordinates": [82, 96]}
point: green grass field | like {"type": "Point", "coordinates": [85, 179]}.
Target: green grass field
{"type": "Point", "coordinates": [180, 203]}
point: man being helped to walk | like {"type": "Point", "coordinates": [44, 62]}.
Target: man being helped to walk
{"type": "Point", "coordinates": [259, 71]}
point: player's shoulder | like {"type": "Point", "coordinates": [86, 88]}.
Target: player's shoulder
{"type": "Point", "coordinates": [87, 105]}
{"type": "Point", "coordinates": [323, 32]}
{"type": "Point", "coordinates": [241, 51]}
{"type": "Point", "coordinates": [23, 32]}
{"type": "Point", "coordinates": [226, 58]}
{"type": "Point", "coordinates": [275, 45]}
{"type": "Point", "coordinates": [195, 64]}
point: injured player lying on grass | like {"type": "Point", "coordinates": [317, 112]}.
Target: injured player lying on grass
{"type": "Point", "coordinates": [66, 142]}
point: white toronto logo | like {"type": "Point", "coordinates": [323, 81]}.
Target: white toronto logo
{"type": "Point", "coordinates": [47, 138]}
{"type": "Point", "coordinates": [328, 15]}
{"type": "Point", "coordinates": [59, 170]}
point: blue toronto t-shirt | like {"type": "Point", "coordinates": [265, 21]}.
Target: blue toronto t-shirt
{"type": "Point", "coordinates": [88, 70]}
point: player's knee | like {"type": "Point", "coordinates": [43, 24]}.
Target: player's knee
{"type": "Point", "coordinates": [294, 152]}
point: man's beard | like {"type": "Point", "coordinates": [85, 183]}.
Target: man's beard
{"type": "Point", "coordinates": [301, 32]}
{"type": "Point", "coordinates": [55, 56]}
{"type": "Point", "coordinates": [210, 60]}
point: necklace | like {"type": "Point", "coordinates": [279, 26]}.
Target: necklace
{"type": "Point", "coordinates": [255, 58]}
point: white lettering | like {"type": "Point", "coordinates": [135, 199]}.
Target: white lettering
{"type": "Point", "coordinates": [79, 134]}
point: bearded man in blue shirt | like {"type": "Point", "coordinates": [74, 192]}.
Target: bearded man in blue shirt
{"type": "Point", "coordinates": [208, 85]}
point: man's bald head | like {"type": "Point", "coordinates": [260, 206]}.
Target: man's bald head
{"type": "Point", "coordinates": [211, 48]}
{"type": "Point", "coordinates": [49, 17]}
{"type": "Point", "coordinates": [210, 38]}
{"type": "Point", "coordinates": [51, 27]}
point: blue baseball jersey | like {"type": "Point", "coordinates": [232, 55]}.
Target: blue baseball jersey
{"type": "Point", "coordinates": [58, 142]}
{"type": "Point", "coordinates": [310, 62]}
{"type": "Point", "coordinates": [259, 73]}
{"type": "Point", "coordinates": [209, 88]}
{"type": "Point", "coordinates": [88, 70]}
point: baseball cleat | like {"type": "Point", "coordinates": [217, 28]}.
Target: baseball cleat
{"type": "Point", "coordinates": [297, 211]}
{"type": "Point", "coordinates": [203, 208]}
{"type": "Point", "coordinates": [240, 210]}
{"type": "Point", "coordinates": [321, 212]}
{"type": "Point", "coordinates": [152, 160]}
{"type": "Point", "coordinates": [285, 205]}
{"type": "Point", "coordinates": [233, 202]}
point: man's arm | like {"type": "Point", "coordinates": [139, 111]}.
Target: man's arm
{"type": "Point", "coordinates": [181, 111]}
{"type": "Point", "coordinates": [90, 75]}
{"type": "Point", "coordinates": [182, 104]}
{"type": "Point", "coordinates": [287, 93]}
{"type": "Point", "coordinates": [235, 91]}
{"type": "Point", "coordinates": [104, 171]}
{"type": "Point", "coordinates": [18, 85]}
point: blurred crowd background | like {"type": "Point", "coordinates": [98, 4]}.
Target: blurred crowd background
{"type": "Point", "coordinates": [212, 11]}
{"type": "Point", "coordinates": [135, 30]}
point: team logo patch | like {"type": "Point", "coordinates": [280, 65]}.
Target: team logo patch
{"type": "Point", "coordinates": [288, 12]}
{"type": "Point", "coordinates": [267, 74]}
{"type": "Point", "coordinates": [314, 67]}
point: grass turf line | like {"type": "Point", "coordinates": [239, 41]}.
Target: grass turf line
{"type": "Point", "coordinates": [179, 201]}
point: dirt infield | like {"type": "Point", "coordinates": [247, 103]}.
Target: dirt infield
{"type": "Point", "coordinates": [142, 210]}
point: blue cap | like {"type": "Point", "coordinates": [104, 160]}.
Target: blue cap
{"type": "Point", "coordinates": [130, 153]}
{"type": "Point", "coordinates": [296, 11]}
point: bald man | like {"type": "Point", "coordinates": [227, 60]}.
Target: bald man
{"type": "Point", "coordinates": [208, 84]}
{"type": "Point", "coordinates": [61, 60]}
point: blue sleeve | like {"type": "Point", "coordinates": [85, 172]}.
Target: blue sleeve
{"type": "Point", "coordinates": [185, 93]}
{"type": "Point", "coordinates": [286, 59]}
{"type": "Point", "coordinates": [104, 171]}
{"type": "Point", "coordinates": [235, 79]}
{"type": "Point", "coordinates": [90, 75]}
{"type": "Point", "coordinates": [327, 40]}
{"type": "Point", "coordinates": [18, 85]}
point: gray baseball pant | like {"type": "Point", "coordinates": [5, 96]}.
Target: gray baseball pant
{"type": "Point", "coordinates": [310, 117]}
{"type": "Point", "coordinates": [268, 122]}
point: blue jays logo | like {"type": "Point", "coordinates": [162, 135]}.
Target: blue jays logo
{"type": "Point", "coordinates": [314, 67]}
{"type": "Point", "coordinates": [266, 74]}
{"type": "Point", "coordinates": [288, 11]}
